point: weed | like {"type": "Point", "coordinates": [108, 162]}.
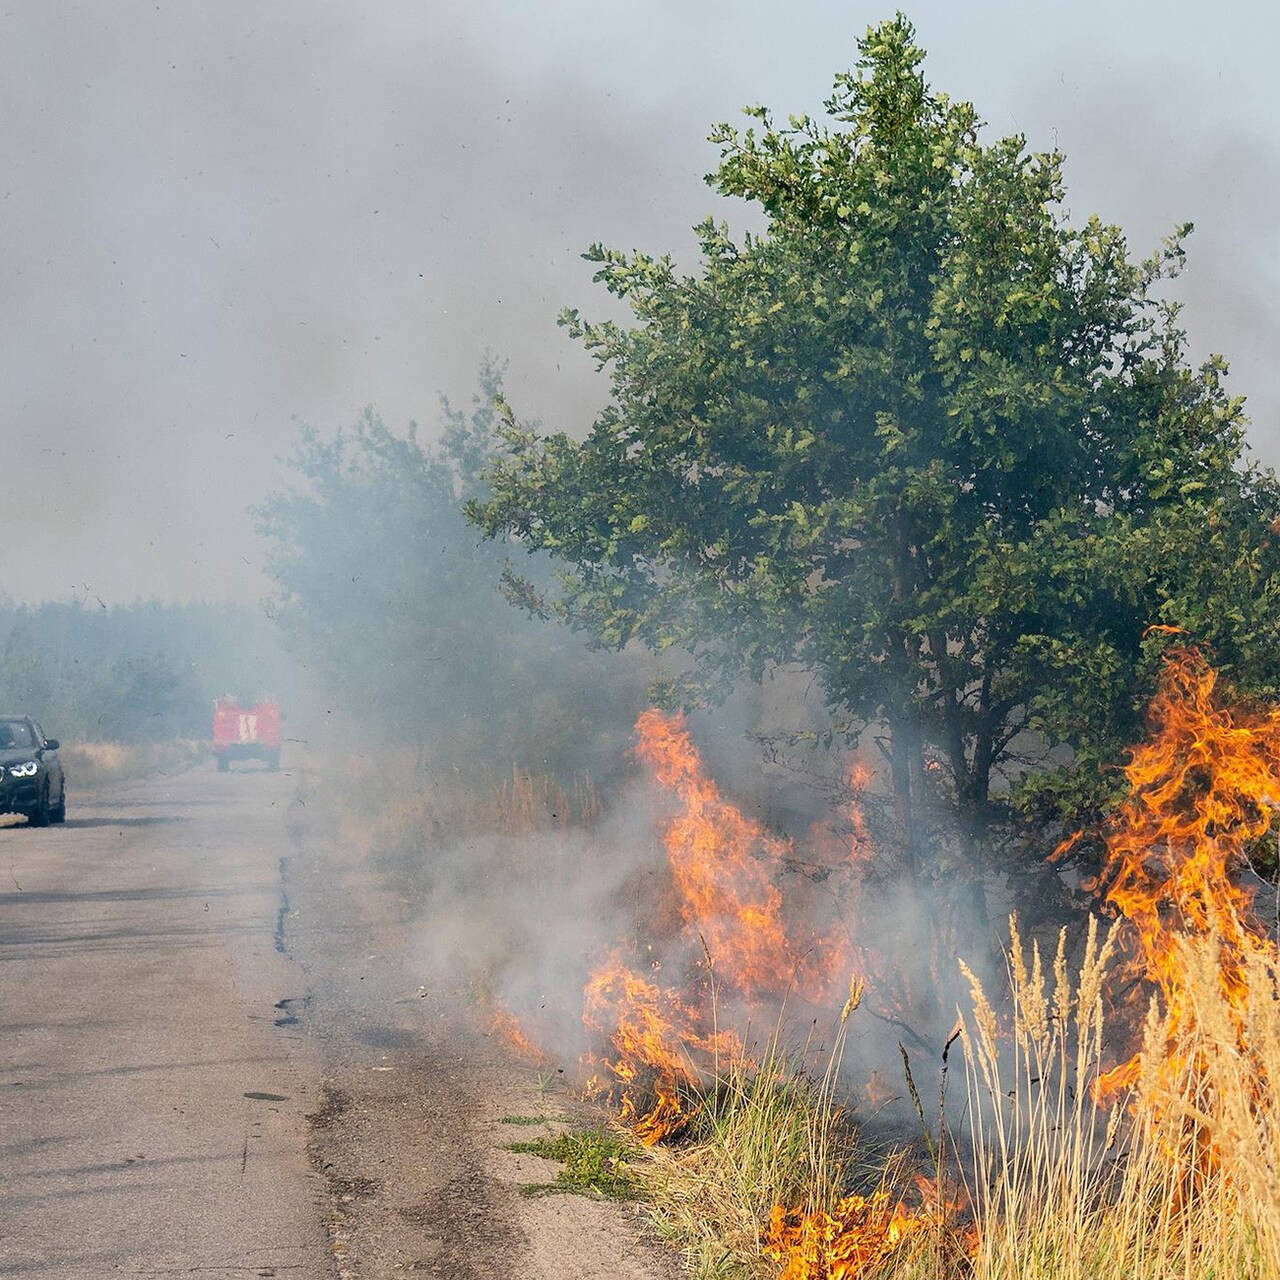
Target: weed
{"type": "Point", "coordinates": [525, 1119]}
{"type": "Point", "coordinates": [595, 1162]}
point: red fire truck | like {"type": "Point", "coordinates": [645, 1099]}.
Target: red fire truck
{"type": "Point", "coordinates": [246, 733]}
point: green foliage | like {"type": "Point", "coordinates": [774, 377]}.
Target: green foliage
{"type": "Point", "coordinates": [922, 436]}
{"type": "Point", "coordinates": [596, 1162]}
{"type": "Point", "coordinates": [392, 602]}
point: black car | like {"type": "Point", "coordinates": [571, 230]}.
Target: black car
{"type": "Point", "coordinates": [31, 778]}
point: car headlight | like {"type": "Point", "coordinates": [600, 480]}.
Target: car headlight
{"type": "Point", "coordinates": [26, 769]}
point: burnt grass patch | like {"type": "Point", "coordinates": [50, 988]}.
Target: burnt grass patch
{"type": "Point", "coordinates": [387, 1037]}
{"type": "Point", "coordinates": [348, 1189]}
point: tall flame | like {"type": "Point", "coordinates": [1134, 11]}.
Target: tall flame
{"type": "Point", "coordinates": [1203, 786]}
{"type": "Point", "coordinates": [663, 1042]}
{"type": "Point", "coordinates": [723, 864]}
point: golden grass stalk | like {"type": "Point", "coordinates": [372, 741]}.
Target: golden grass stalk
{"type": "Point", "coordinates": [1177, 1179]}
{"type": "Point", "coordinates": [1039, 1142]}
{"type": "Point", "coordinates": [1224, 1103]}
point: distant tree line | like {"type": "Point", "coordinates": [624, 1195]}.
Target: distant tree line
{"type": "Point", "coordinates": [141, 672]}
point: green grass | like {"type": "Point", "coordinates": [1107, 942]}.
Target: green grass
{"type": "Point", "coordinates": [526, 1119]}
{"type": "Point", "coordinates": [595, 1162]}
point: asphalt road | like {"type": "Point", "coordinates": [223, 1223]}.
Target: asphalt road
{"type": "Point", "coordinates": [222, 1056]}
{"type": "Point", "coordinates": [152, 1112]}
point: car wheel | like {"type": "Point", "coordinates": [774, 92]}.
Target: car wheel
{"type": "Point", "coordinates": [58, 813]}
{"type": "Point", "coordinates": [41, 815]}
{"type": "Point", "coordinates": [223, 764]}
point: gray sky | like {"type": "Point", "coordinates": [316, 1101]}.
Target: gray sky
{"type": "Point", "coordinates": [217, 217]}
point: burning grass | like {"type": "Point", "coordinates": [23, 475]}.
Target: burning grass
{"type": "Point", "coordinates": [663, 1043]}
{"type": "Point", "coordinates": [1165, 1165]}
{"type": "Point", "coordinates": [1226, 1106]}
{"type": "Point", "coordinates": [768, 1135]}
{"type": "Point", "coordinates": [1092, 1146]}
{"type": "Point", "coordinates": [1203, 787]}
{"type": "Point", "coordinates": [1177, 1177]}
{"type": "Point", "coordinates": [1162, 1184]}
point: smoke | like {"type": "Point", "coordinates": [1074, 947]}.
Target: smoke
{"type": "Point", "coordinates": [214, 221]}
{"type": "Point", "coordinates": [215, 224]}
{"type": "Point", "coordinates": [219, 221]}
{"type": "Point", "coordinates": [1135, 162]}
{"type": "Point", "coordinates": [526, 897]}
{"type": "Point", "coordinates": [523, 918]}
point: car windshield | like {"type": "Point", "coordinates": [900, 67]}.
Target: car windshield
{"type": "Point", "coordinates": [15, 734]}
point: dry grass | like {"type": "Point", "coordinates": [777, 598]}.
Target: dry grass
{"type": "Point", "coordinates": [527, 802]}
{"type": "Point", "coordinates": [772, 1171]}
{"type": "Point", "coordinates": [1176, 1180]}
{"type": "Point", "coordinates": [95, 763]}
{"type": "Point", "coordinates": [1230, 1092]}
{"type": "Point", "coordinates": [485, 867]}
{"type": "Point", "coordinates": [401, 817]}
{"type": "Point", "coordinates": [1041, 1165]}
{"type": "Point", "coordinates": [394, 803]}
{"type": "Point", "coordinates": [762, 1134]}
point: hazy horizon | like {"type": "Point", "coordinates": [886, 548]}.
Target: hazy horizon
{"type": "Point", "coordinates": [218, 221]}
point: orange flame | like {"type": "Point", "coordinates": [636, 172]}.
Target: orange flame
{"type": "Point", "coordinates": [723, 864]}
{"type": "Point", "coordinates": [856, 1236]}
{"type": "Point", "coordinates": [660, 1046]}
{"type": "Point", "coordinates": [878, 1091]}
{"type": "Point", "coordinates": [861, 1232]}
{"type": "Point", "coordinates": [1202, 787]}
{"type": "Point", "coordinates": [662, 1043]}
{"type": "Point", "coordinates": [504, 1026]}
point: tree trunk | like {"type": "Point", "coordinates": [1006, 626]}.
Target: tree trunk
{"type": "Point", "coordinates": [973, 842]}
{"type": "Point", "coordinates": [903, 748]}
